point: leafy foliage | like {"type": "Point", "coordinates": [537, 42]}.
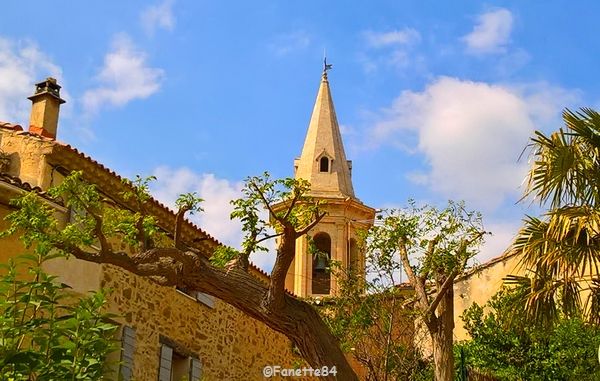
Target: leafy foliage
{"type": "Point", "coordinates": [260, 193]}
{"type": "Point", "coordinates": [92, 218]}
{"type": "Point", "coordinates": [561, 247]}
{"type": "Point", "coordinates": [373, 317]}
{"type": "Point", "coordinates": [189, 202]}
{"type": "Point", "coordinates": [374, 322]}
{"type": "Point", "coordinates": [438, 242]}
{"type": "Point", "coordinates": [512, 348]}
{"type": "Point", "coordinates": [46, 333]}
{"type": "Point", "coordinates": [433, 246]}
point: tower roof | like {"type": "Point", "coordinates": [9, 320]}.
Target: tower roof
{"type": "Point", "coordinates": [324, 143]}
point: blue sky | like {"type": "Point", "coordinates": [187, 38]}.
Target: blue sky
{"type": "Point", "coordinates": [436, 99]}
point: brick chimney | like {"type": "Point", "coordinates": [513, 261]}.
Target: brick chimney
{"type": "Point", "coordinates": [45, 107]}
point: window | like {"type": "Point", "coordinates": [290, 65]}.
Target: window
{"type": "Point", "coordinates": [176, 366]}
{"type": "Point", "coordinates": [324, 164]}
{"type": "Point", "coordinates": [321, 277]}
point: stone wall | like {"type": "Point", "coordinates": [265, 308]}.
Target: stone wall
{"type": "Point", "coordinates": [230, 345]}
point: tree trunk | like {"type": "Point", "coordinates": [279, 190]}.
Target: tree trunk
{"type": "Point", "coordinates": [442, 338]}
{"type": "Point", "coordinates": [269, 304]}
{"type": "Point", "coordinates": [294, 318]}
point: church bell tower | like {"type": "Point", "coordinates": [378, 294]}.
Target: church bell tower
{"type": "Point", "coordinates": [323, 163]}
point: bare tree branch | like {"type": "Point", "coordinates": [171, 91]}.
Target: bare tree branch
{"type": "Point", "coordinates": [292, 204]}
{"type": "Point", "coordinates": [307, 228]}
{"type": "Point", "coordinates": [268, 237]}
{"type": "Point", "coordinates": [179, 219]}
{"type": "Point", "coordinates": [285, 255]}
{"type": "Point", "coordinates": [419, 287]}
{"type": "Point", "coordinates": [267, 204]}
{"type": "Point", "coordinates": [449, 281]}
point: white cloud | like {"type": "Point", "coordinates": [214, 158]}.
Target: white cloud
{"type": "Point", "coordinates": [492, 32]}
{"type": "Point", "coordinates": [217, 194]}
{"type": "Point", "coordinates": [406, 36]}
{"type": "Point", "coordinates": [125, 76]}
{"type": "Point", "coordinates": [22, 64]}
{"type": "Point", "coordinates": [290, 42]}
{"type": "Point", "coordinates": [471, 134]}
{"type": "Point", "coordinates": [158, 16]}
{"type": "Point", "coordinates": [498, 242]}
{"type": "Point", "coordinates": [391, 49]}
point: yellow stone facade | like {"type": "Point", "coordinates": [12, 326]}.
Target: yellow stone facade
{"type": "Point", "coordinates": [228, 344]}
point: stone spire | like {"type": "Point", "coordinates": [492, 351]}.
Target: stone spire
{"type": "Point", "coordinates": [323, 160]}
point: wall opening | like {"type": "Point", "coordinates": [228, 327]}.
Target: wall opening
{"type": "Point", "coordinates": [177, 366]}
{"type": "Point", "coordinates": [324, 164]}
{"type": "Point", "coordinates": [321, 276]}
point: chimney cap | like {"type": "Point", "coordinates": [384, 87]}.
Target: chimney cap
{"type": "Point", "coordinates": [48, 86]}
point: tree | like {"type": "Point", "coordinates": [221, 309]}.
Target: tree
{"type": "Point", "coordinates": [560, 248]}
{"type": "Point", "coordinates": [511, 348]}
{"type": "Point", "coordinates": [46, 333]}
{"type": "Point", "coordinates": [161, 253]}
{"type": "Point", "coordinates": [374, 320]}
{"type": "Point", "coordinates": [434, 247]}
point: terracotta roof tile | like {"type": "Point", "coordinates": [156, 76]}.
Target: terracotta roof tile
{"type": "Point", "coordinates": [17, 182]}
{"type": "Point", "coordinates": [11, 126]}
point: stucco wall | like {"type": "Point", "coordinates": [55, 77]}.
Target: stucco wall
{"type": "Point", "coordinates": [27, 157]}
{"type": "Point", "coordinates": [9, 246]}
{"type": "Point", "coordinates": [478, 287]}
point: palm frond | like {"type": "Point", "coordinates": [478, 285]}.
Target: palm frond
{"type": "Point", "coordinates": [593, 302]}
{"type": "Point", "coordinates": [566, 167]}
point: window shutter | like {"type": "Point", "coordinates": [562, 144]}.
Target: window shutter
{"type": "Point", "coordinates": [205, 299]}
{"type": "Point", "coordinates": [128, 343]}
{"type": "Point", "coordinates": [195, 369]}
{"type": "Point", "coordinates": [166, 358]}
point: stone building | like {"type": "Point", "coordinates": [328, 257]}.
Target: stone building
{"type": "Point", "coordinates": [167, 334]}
{"type": "Point", "coordinates": [323, 163]}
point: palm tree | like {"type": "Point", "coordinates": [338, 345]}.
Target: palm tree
{"type": "Point", "coordinates": [561, 249]}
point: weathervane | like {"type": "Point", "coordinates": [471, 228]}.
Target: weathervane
{"type": "Point", "coordinates": [326, 66]}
